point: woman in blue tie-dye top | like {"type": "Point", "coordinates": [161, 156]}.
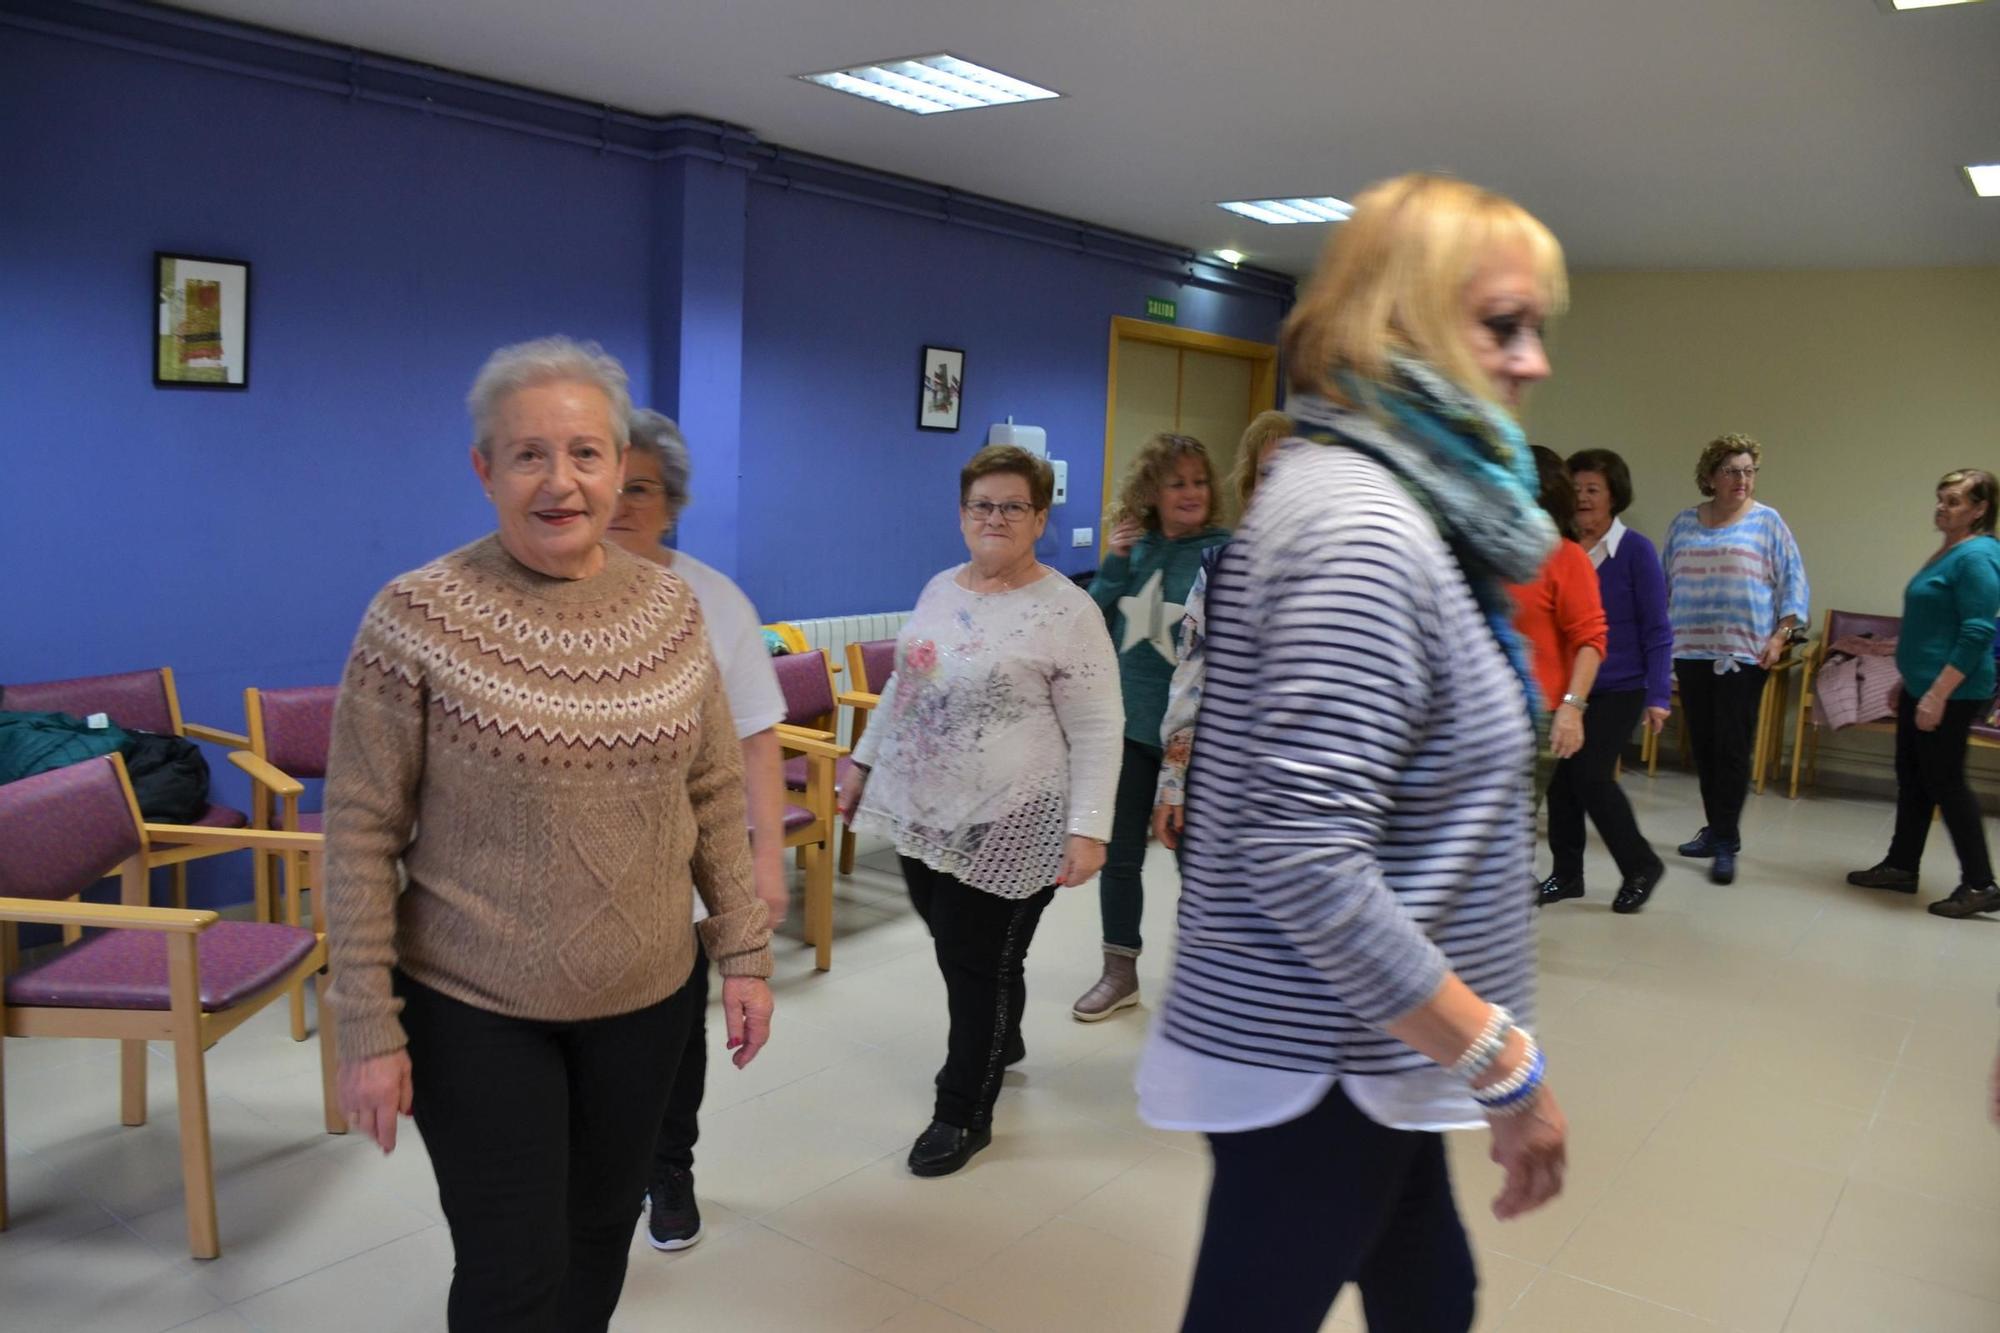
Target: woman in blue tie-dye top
{"type": "Point", "coordinates": [1736, 589]}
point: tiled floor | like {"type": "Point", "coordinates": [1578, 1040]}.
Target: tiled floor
{"type": "Point", "coordinates": [1776, 1092]}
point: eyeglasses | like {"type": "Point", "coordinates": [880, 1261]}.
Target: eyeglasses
{"type": "Point", "coordinates": [642, 492]}
{"type": "Point", "coordinates": [1736, 473]}
{"type": "Point", "coordinates": [1013, 511]}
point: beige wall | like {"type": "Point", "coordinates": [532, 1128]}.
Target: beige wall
{"type": "Point", "coordinates": [1864, 387]}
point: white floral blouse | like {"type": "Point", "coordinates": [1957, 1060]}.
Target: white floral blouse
{"type": "Point", "coordinates": [999, 735]}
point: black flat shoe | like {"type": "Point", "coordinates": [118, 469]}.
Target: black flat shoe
{"type": "Point", "coordinates": [1701, 846]}
{"type": "Point", "coordinates": [1884, 876]}
{"type": "Point", "coordinates": [1722, 870]}
{"type": "Point", "coordinates": [1017, 1051]}
{"type": "Point", "coordinates": [1632, 894]}
{"type": "Point", "coordinates": [1965, 902]}
{"type": "Point", "coordinates": [943, 1149]}
{"type": "Point", "coordinates": [1554, 890]}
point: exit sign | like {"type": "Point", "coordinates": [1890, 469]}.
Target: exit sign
{"type": "Point", "coordinates": [1159, 307]}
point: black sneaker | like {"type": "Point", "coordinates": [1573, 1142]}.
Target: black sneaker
{"type": "Point", "coordinates": [1884, 876]}
{"type": "Point", "coordinates": [1634, 892]}
{"type": "Point", "coordinates": [1722, 870]}
{"type": "Point", "coordinates": [1554, 890]}
{"type": "Point", "coordinates": [1966, 901]}
{"type": "Point", "coordinates": [673, 1221]}
{"type": "Point", "coordinates": [1702, 846]}
{"type": "Point", "coordinates": [943, 1149]}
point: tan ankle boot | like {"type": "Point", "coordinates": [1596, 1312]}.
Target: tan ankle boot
{"type": "Point", "coordinates": [1117, 989]}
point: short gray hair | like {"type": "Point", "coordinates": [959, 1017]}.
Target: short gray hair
{"type": "Point", "coordinates": [655, 435]}
{"type": "Point", "coordinates": [543, 361]}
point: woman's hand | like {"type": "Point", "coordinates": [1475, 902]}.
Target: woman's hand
{"type": "Point", "coordinates": [850, 794]}
{"type": "Point", "coordinates": [1656, 719]}
{"type": "Point", "coordinates": [1533, 1148]}
{"type": "Point", "coordinates": [1565, 732]}
{"type": "Point", "coordinates": [1124, 535]}
{"type": "Point", "coordinates": [746, 1012]}
{"type": "Point", "coordinates": [1082, 858]}
{"type": "Point", "coordinates": [1167, 821]}
{"type": "Point", "coordinates": [372, 1093]}
{"type": "Point", "coordinates": [1774, 649]}
{"type": "Point", "coordinates": [1930, 712]}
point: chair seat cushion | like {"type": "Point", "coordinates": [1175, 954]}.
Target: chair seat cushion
{"type": "Point", "coordinates": [795, 773]}
{"type": "Point", "coordinates": [127, 969]}
{"type": "Point", "coordinates": [312, 821]}
{"type": "Point", "coordinates": [797, 817]}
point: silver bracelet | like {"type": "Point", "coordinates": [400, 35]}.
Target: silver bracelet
{"type": "Point", "coordinates": [1486, 1047]}
{"type": "Point", "coordinates": [1576, 701]}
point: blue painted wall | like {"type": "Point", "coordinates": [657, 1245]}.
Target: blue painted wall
{"type": "Point", "coordinates": [237, 536]}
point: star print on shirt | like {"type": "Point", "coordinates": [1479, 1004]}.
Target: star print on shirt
{"type": "Point", "coordinates": [1150, 618]}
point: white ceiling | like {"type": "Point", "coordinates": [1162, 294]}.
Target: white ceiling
{"type": "Point", "coordinates": [1647, 133]}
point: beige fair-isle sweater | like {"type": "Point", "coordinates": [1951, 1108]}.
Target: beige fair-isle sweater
{"type": "Point", "coordinates": [553, 763]}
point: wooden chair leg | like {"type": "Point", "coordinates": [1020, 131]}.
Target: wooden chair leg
{"type": "Point", "coordinates": [294, 868]}
{"type": "Point", "coordinates": [260, 885]}
{"type": "Point", "coordinates": [329, 1058]}
{"type": "Point", "coordinates": [181, 885]}
{"type": "Point", "coordinates": [847, 851]}
{"type": "Point", "coordinates": [191, 1091]}
{"type": "Point", "coordinates": [10, 949]}
{"type": "Point", "coordinates": [132, 1082]}
{"type": "Point", "coordinates": [819, 902]}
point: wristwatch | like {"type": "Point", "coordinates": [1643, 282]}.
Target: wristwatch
{"type": "Point", "coordinates": [1576, 701]}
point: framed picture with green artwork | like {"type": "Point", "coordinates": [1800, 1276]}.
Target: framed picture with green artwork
{"type": "Point", "coordinates": [201, 322]}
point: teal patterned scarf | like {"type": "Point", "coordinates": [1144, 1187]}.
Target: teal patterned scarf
{"type": "Point", "coordinates": [1467, 463]}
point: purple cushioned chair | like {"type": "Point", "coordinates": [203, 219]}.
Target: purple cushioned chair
{"type": "Point", "coordinates": [869, 666]}
{"type": "Point", "coordinates": [141, 701]}
{"type": "Point", "coordinates": [142, 973]}
{"type": "Point", "coordinates": [290, 731]}
{"type": "Point", "coordinates": [812, 750]}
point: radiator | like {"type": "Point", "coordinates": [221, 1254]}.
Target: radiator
{"type": "Point", "coordinates": [834, 633]}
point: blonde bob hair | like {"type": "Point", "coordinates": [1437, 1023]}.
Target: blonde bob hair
{"type": "Point", "coordinates": [1718, 451]}
{"type": "Point", "coordinates": [1392, 282]}
{"type": "Point", "coordinates": [1139, 495]}
{"type": "Point", "coordinates": [1265, 429]}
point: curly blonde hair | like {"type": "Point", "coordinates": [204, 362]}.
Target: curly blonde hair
{"type": "Point", "coordinates": [1139, 495]}
{"type": "Point", "coordinates": [1265, 429]}
{"type": "Point", "coordinates": [1718, 449]}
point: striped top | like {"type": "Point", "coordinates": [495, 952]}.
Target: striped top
{"type": "Point", "coordinates": [1358, 817]}
{"type": "Point", "coordinates": [1728, 587]}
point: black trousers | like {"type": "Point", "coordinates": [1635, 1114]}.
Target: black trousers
{"type": "Point", "coordinates": [1121, 885]}
{"type": "Point", "coordinates": [1586, 783]}
{"type": "Point", "coordinates": [1930, 774]}
{"type": "Point", "coordinates": [1722, 727]}
{"type": "Point", "coordinates": [982, 943]}
{"type": "Point", "coordinates": [1299, 1210]}
{"type": "Point", "coordinates": [680, 1124]}
{"type": "Point", "coordinates": [538, 1133]}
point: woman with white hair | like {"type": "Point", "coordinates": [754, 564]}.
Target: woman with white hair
{"type": "Point", "coordinates": [657, 473]}
{"type": "Point", "coordinates": [532, 733]}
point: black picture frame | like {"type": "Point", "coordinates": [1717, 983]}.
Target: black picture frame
{"type": "Point", "coordinates": [208, 346]}
{"type": "Point", "coordinates": [940, 387]}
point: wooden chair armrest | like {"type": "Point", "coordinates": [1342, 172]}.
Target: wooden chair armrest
{"type": "Point", "coordinates": [215, 735]}
{"type": "Point", "coordinates": [62, 912]}
{"type": "Point", "coordinates": [268, 840]}
{"type": "Point", "coordinates": [265, 775]}
{"type": "Point", "coordinates": [858, 699]}
{"type": "Point", "coordinates": [801, 740]}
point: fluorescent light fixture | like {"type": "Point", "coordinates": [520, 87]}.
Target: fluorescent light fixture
{"type": "Point", "coordinates": [1230, 256]}
{"type": "Point", "coordinates": [1891, 6]}
{"type": "Point", "coordinates": [926, 85]}
{"type": "Point", "coordinates": [1985, 180]}
{"type": "Point", "coordinates": [1286, 212]}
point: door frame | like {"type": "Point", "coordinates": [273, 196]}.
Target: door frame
{"type": "Point", "coordinates": [1263, 381]}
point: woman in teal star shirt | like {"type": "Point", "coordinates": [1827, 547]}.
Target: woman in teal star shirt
{"type": "Point", "coordinates": [1162, 525]}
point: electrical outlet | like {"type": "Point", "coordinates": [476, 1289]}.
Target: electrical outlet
{"type": "Point", "coordinates": [1079, 537]}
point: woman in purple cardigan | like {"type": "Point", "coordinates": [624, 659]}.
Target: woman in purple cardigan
{"type": "Point", "coordinates": [1634, 681]}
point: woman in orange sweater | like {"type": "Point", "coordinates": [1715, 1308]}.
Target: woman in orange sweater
{"type": "Point", "coordinates": [1561, 616]}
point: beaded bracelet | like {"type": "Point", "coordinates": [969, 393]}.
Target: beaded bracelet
{"type": "Point", "coordinates": [1518, 1093]}
{"type": "Point", "coordinates": [1486, 1047]}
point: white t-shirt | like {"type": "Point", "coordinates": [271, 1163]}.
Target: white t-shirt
{"type": "Point", "coordinates": [736, 637]}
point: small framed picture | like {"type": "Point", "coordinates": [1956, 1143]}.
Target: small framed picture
{"type": "Point", "coordinates": [940, 388]}
{"type": "Point", "coordinates": [201, 322]}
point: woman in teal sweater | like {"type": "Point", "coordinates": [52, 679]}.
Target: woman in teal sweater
{"type": "Point", "coordinates": [1162, 524]}
{"type": "Point", "coordinates": [1945, 650]}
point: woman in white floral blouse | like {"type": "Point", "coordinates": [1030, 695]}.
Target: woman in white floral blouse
{"type": "Point", "coordinates": [991, 762]}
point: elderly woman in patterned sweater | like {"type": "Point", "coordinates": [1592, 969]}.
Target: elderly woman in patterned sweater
{"type": "Point", "coordinates": [991, 764]}
{"type": "Point", "coordinates": [532, 730]}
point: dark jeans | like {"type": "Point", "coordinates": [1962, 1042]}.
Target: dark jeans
{"type": "Point", "coordinates": [982, 942]}
{"type": "Point", "coordinates": [1586, 783]}
{"type": "Point", "coordinates": [680, 1124]}
{"type": "Point", "coordinates": [1121, 885]}
{"type": "Point", "coordinates": [538, 1133]}
{"type": "Point", "coordinates": [1299, 1210]}
{"type": "Point", "coordinates": [1722, 727]}
{"type": "Point", "coordinates": [1930, 774]}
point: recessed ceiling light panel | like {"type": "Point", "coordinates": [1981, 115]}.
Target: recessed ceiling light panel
{"type": "Point", "coordinates": [1892, 6]}
{"type": "Point", "coordinates": [1285, 212]}
{"type": "Point", "coordinates": [926, 85]}
{"type": "Point", "coordinates": [1985, 180]}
